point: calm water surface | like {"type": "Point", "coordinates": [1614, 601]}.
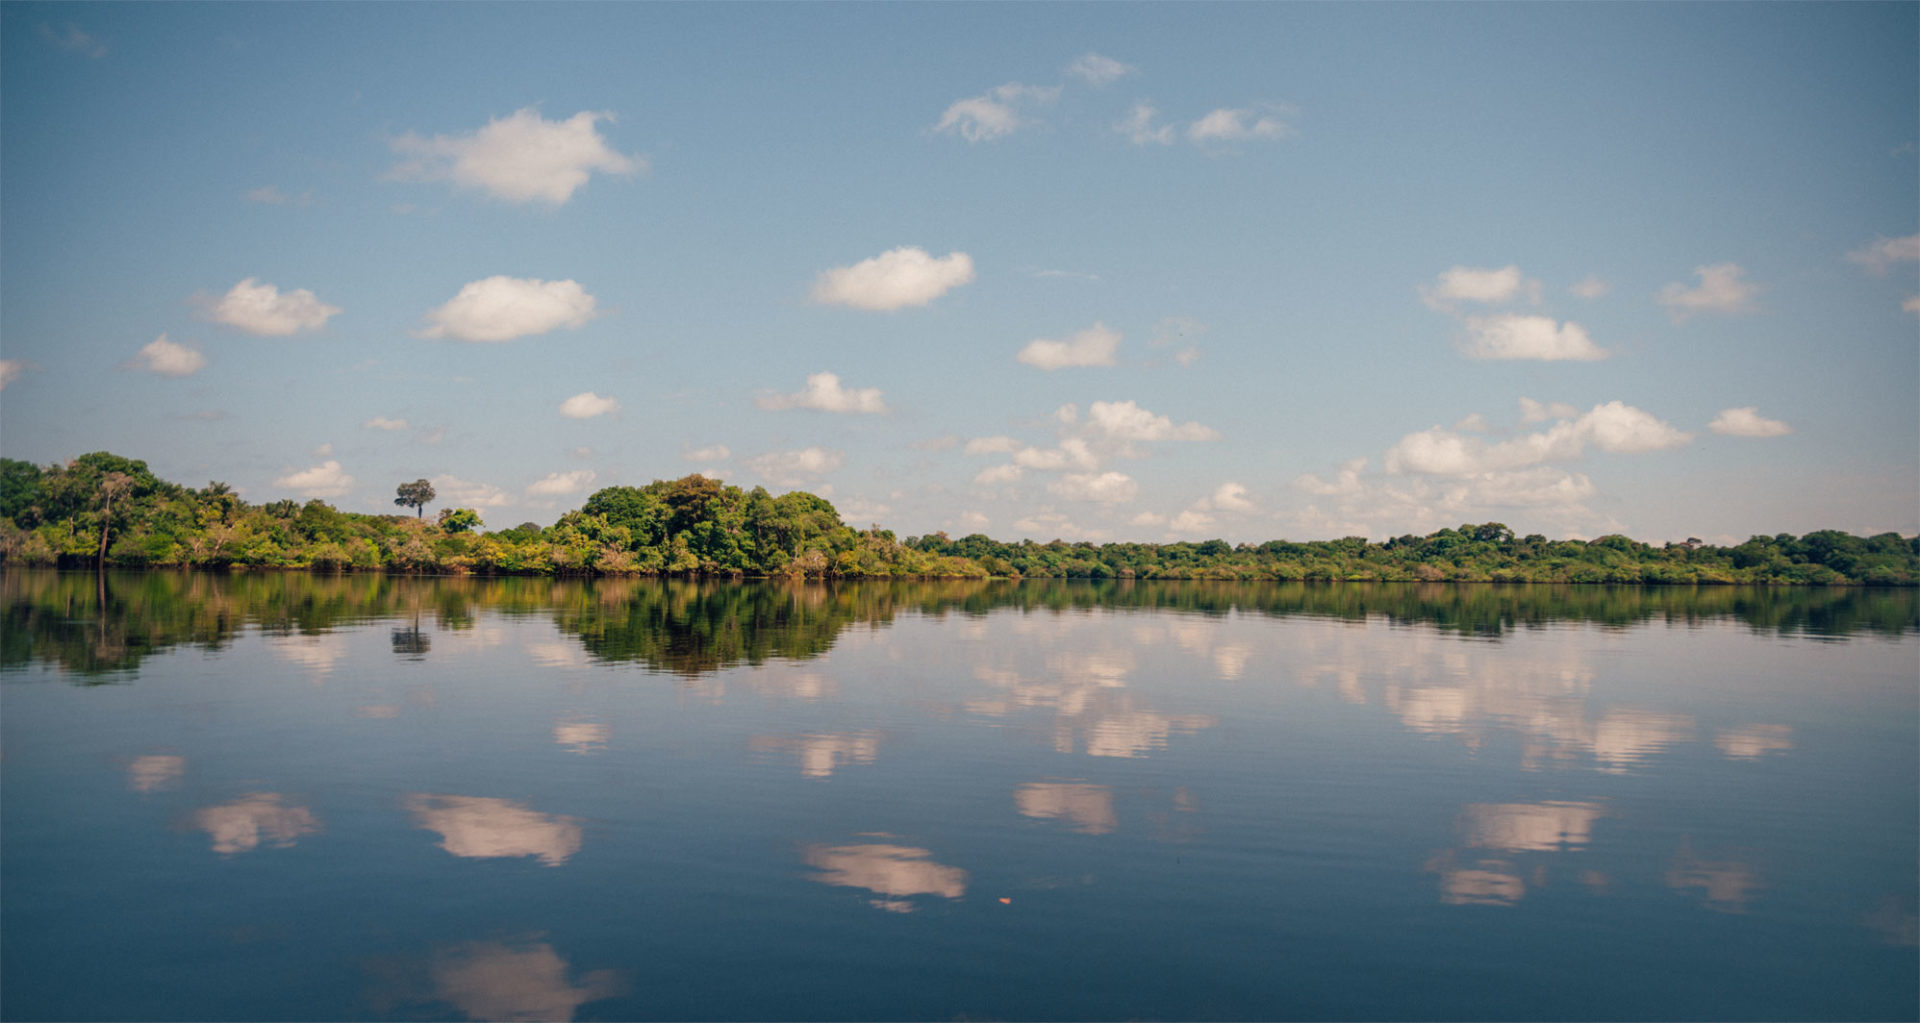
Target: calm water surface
{"type": "Point", "coordinates": [292, 797]}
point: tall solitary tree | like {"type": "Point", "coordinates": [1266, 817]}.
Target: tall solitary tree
{"type": "Point", "coordinates": [414, 495]}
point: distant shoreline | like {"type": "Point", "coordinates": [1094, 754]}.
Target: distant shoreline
{"type": "Point", "coordinates": [105, 510]}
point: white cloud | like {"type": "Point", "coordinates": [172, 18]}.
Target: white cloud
{"type": "Point", "coordinates": [1126, 421]}
{"type": "Point", "coordinates": [501, 308]}
{"type": "Point", "coordinates": [992, 445]}
{"type": "Point", "coordinates": [1747, 422]}
{"type": "Point", "coordinates": [261, 309]}
{"type": "Point", "coordinates": [1346, 482]}
{"type": "Point", "coordinates": [558, 484]}
{"type": "Point", "coordinates": [520, 158]}
{"type": "Point", "coordinates": [1140, 129]}
{"type": "Point", "coordinates": [1911, 305]}
{"type": "Point", "coordinates": [168, 359]}
{"type": "Point", "coordinates": [1590, 286]}
{"type": "Point", "coordinates": [324, 480]}
{"type": "Point", "coordinates": [1190, 521]}
{"type": "Point", "coordinates": [995, 113]}
{"type": "Point", "coordinates": [455, 492]}
{"type": "Point", "coordinates": [973, 520]}
{"type": "Point", "coordinates": [1720, 291]}
{"type": "Point", "coordinates": [1073, 452]}
{"type": "Point", "coordinates": [324, 450]}
{"type": "Point", "coordinates": [1104, 488]}
{"type": "Point", "coordinates": [1240, 125]}
{"type": "Point", "coordinates": [1471, 284]}
{"type": "Point", "coordinates": [1148, 519]}
{"type": "Point", "coordinates": [1515, 336]}
{"type": "Point", "coordinates": [998, 474]}
{"type": "Point", "coordinates": [1091, 347]}
{"type": "Point", "coordinates": [824, 393]}
{"type": "Point", "coordinates": [793, 468]}
{"type": "Point", "coordinates": [895, 279]}
{"type": "Point", "coordinates": [710, 453]}
{"type": "Point", "coordinates": [1232, 497]}
{"type": "Point", "coordinates": [1067, 414]}
{"type": "Point", "coordinates": [586, 405]}
{"type": "Point", "coordinates": [1097, 70]}
{"type": "Point", "coordinates": [383, 423]}
{"type": "Point", "coordinates": [1623, 429]}
{"type": "Point", "coordinates": [10, 370]}
{"type": "Point", "coordinates": [1534, 412]}
{"type": "Point", "coordinates": [1884, 252]}
{"type": "Point", "coordinates": [1613, 427]}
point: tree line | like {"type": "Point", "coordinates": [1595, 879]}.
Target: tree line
{"type": "Point", "coordinates": [105, 509]}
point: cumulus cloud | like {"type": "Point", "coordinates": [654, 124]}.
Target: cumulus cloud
{"type": "Point", "coordinates": [823, 393]}
{"type": "Point", "coordinates": [586, 405]}
{"type": "Point", "coordinates": [1720, 290]}
{"type": "Point", "coordinates": [384, 423]}
{"type": "Point", "coordinates": [502, 308]}
{"type": "Point", "coordinates": [261, 309]}
{"type": "Point", "coordinates": [993, 476]}
{"type": "Point", "coordinates": [1346, 482]}
{"type": "Point", "coordinates": [1101, 488]}
{"type": "Point", "coordinates": [1747, 422]}
{"type": "Point", "coordinates": [1613, 427]}
{"type": "Point", "coordinates": [324, 480]}
{"type": "Point", "coordinates": [973, 520]}
{"type": "Point", "coordinates": [1072, 452]}
{"type": "Point", "coordinates": [1911, 305]}
{"type": "Point", "coordinates": [1590, 286]}
{"type": "Point", "coordinates": [895, 279]}
{"type": "Point", "coordinates": [1516, 336]}
{"type": "Point", "coordinates": [996, 112]}
{"type": "Point", "coordinates": [1192, 520]}
{"type": "Point", "coordinates": [1880, 254]}
{"type": "Point", "coordinates": [710, 453]}
{"type": "Point", "coordinates": [1232, 497]}
{"type": "Point", "coordinates": [10, 370]}
{"type": "Point", "coordinates": [1127, 421]}
{"type": "Point", "coordinates": [520, 158]}
{"type": "Point", "coordinates": [558, 484]}
{"type": "Point", "coordinates": [1094, 69]}
{"type": "Point", "coordinates": [168, 359]}
{"type": "Point", "coordinates": [1142, 126]}
{"type": "Point", "coordinates": [1536, 412]}
{"type": "Point", "coordinates": [1241, 124]}
{"type": "Point", "coordinates": [793, 468]}
{"type": "Point", "coordinates": [455, 492]}
{"type": "Point", "coordinates": [1091, 347]}
{"type": "Point", "coordinates": [1472, 284]}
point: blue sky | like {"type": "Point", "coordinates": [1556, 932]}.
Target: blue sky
{"type": "Point", "coordinates": [1083, 271]}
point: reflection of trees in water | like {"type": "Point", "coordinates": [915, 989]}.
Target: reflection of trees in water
{"type": "Point", "coordinates": [98, 626]}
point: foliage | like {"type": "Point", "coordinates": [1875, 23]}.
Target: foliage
{"type": "Point", "coordinates": [105, 509]}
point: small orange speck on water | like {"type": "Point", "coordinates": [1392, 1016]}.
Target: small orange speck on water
{"type": "Point", "coordinates": [1006, 902]}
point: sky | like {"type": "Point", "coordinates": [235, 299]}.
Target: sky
{"type": "Point", "coordinates": [1080, 271]}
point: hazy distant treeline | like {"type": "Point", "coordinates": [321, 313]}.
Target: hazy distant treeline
{"type": "Point", "coordinates": [106, 509]}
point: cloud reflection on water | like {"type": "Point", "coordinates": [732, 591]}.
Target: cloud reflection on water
{"type": "Point", "coordinates": [894, 872]}
{"type": "Point", "coordinates": [155, 771]}
{"type": "Point", "coordinates": [481, 827]}
{"type": "Point", "coordinates": [240, 826]}
{"type": "Point", "coordinates": [1087, 808]}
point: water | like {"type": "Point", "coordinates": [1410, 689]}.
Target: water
{"type": "Point", "coordinates": [294, 797]}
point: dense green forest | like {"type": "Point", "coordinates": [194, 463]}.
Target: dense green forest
{"type": "Point", "coordinates": [105, 509]}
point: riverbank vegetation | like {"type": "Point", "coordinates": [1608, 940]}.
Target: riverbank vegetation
{"type": "Point", "coordinates": [109, 510]}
